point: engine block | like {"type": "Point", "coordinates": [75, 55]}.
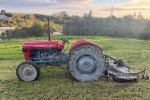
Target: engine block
{"type": "Point", "coordinates": [48, 57]}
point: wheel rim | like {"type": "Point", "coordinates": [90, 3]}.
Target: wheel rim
{"type": "Point", "coordinates": [86, 65]}
{"type": "Point", "coordinates": [27, 72]}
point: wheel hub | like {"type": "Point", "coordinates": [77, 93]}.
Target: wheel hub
{"type": "Point", "coordinates": [86, 65]}
{"type": "Point", "coordinates": [27, 72]}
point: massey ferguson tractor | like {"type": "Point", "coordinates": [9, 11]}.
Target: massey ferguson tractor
{"type": "Point", "coordinates": [85, 61]}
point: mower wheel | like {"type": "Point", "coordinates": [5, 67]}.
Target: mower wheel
{"type": "Point", "coordinates": [86, 63]}
{"type": "Point", "coordinates": [145, 77]}
{"type": "Point", "coordinates": [27, 71]}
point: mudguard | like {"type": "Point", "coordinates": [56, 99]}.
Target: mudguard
{"type": "Point", "coordinates": [81, 43]}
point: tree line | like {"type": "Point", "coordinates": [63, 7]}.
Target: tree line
{"type": "Point", "coordinates": [129, 26]}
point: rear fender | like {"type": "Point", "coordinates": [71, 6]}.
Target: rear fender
{"type": "Point", "coordinates": [80, 43]}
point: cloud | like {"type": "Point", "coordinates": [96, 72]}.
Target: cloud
{"type": "Point", "coordinates": [74, 7]}
{"type": "Point", "coordinates": [138, 4]}
{"type": "Point", "coordinates": [40, 3]}
{"type": "Point", "coordinates": [27, 3]}
{"type": "Point", "coordinates": [132, 5]}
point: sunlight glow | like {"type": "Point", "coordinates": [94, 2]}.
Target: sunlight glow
{"type": "Point", "coordinates": [100, 8]}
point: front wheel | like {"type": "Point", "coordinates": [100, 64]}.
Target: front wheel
{"type": "Point", "coordinates": [27, 71]}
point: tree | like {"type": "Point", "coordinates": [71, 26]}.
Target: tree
{"type": "Point", "coordinates": [52, 26]}
{"type": "Point", "coordinates": [3, 12]}
{"type": "Point", "coordinates": [31, 16]}
{"type": "Point", "coordinates": [35, 30]}
{"type": "Point", "coordinates": [89, 15]}
{"type": "Point", "coordinates": [8, 14]}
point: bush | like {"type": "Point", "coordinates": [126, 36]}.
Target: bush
{"type": "Point", "coordinates": [35, 30]}
{"type": "Point", "coordinates": [126, 27]}
{"type": "Point", "coordinates": [145, 36]}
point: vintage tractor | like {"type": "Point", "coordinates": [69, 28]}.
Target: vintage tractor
{"type": "Point", "coordinates": [85, 61]}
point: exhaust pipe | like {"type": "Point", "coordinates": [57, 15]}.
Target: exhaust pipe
{"type": "Point", "coordinates": [49, 36]}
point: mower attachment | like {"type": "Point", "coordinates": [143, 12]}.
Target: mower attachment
{"type": "Point", "coordinates": [120, 72]}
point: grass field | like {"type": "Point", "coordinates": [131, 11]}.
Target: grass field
{"type": "Point", "coordinates": [55, 83]}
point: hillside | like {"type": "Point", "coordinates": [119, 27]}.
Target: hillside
{"type": "Point", "coordinates": [19, 19]}
{"type": "Point", "coordinates": [56, 83]}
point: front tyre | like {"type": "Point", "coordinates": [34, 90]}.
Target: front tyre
{"type": "Point", "coordinates": [27, 71]}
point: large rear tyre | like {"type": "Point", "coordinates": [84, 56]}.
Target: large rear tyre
{"type": "Point", "coordinates": [27, 71]}
{"type": "Point", "coordinates": [86, 63]}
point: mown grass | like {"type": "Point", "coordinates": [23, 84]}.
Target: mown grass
{"type": "Point", "coordinates": [56, 83]}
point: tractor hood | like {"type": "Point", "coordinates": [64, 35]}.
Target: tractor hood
{"type": "Point", "coordinates": [27, 46]}
{"type": "Point", "coordinates": [43, 44]}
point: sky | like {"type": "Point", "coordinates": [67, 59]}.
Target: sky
{"type": "Point", "coordinates": [100, 8]}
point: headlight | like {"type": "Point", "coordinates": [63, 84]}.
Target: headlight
{"type": "Point", "coordinates": [23, 49]}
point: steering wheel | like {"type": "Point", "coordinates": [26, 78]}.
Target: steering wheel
{"type": "Point", "coordinates": [65, 41]}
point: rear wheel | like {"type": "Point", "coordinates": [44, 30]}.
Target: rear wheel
{"type": "Point", "coordinates": [27, 71]}
{"type": "Point", "coordinates": [86, 63]}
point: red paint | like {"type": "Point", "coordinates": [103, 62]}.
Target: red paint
{"type": "Point", "coordinates": [40, 45]}
{"type": "Point", "coordinates": [52, 45]}
{"type": "Point", "coordinates": [81, 43]}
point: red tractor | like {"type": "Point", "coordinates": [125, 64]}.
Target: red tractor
{"type": "Point", "coordinates": [85, 61]}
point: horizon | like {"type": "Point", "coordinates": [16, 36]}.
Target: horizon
{"type": "Point", "coordinates": [100, 8]}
